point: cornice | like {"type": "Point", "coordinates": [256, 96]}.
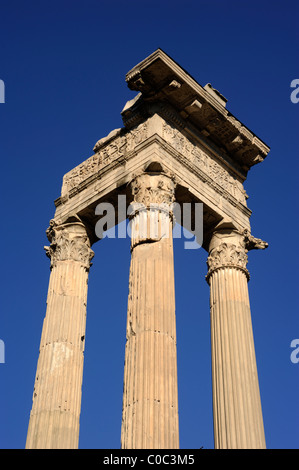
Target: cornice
{"type": "Point", "coordinates": [204, 107]}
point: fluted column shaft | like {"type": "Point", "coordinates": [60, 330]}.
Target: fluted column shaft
{"type": "Point", "coordinates": [238, 421]}
{"type": "Point", "coordinates": [150, 400]}
{"type": "Point", "coordinates": [55, 414]}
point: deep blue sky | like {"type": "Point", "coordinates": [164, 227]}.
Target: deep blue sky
{"type": "Point", "coordinates": [64, 66]}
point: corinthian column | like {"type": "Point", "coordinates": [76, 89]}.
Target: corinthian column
{"type": "Point", "coordinates": [54, 418]}
{"type": "Point", "coordinates": [238, 421]}
{"type": "Point", "coordinates": [150, 400]}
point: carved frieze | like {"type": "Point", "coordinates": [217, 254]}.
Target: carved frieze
{"type": "Point", "coordinates": [123, 143]}
{"type": "Point", "coordinates": [208, 165]}
{"type": "Point", "coordinates": [105, 154]}
{"type": "Point", "coordinates": [136, 136]}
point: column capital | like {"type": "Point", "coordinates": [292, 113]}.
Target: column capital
{"type": "Point", "coordinates": [229, 247]}
{"type": "Point", "coordinates": [69, 241]}
{"type": "Point", "coordinates": [153, 188]}
{"type": "Point", "coordinates": [227, 255]}
{"type": "Point", "coordinates": [151, 214]}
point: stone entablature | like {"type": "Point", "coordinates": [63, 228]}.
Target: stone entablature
{"type": "Point", "coordinates": [123, 146]}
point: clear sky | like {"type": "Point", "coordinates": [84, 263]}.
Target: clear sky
{"type": "Point", "coordinates": [64, 64]}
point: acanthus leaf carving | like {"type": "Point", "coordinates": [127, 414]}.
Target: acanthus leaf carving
{"type": "Point", "coordinates": [227, 255]}
{"type": "Point", "coordinates": [153, 189]}
{"type": "Point", "coordinates": [68, 242]}
{"type": "Point", "coordinates": [151, 211]}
